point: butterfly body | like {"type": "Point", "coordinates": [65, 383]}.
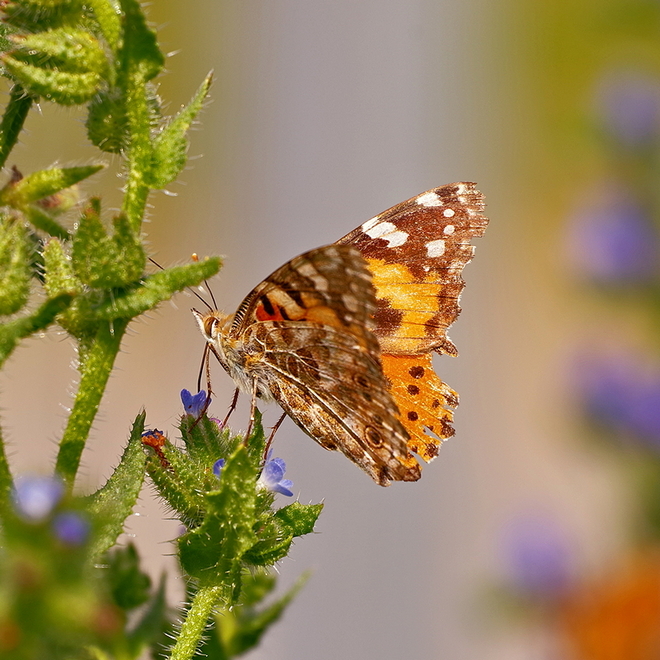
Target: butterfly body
{"type": "Point", "coordinates": [342, 336]}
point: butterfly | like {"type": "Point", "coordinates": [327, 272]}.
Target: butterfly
{"type": "Point", "coordinates": [342, 336]}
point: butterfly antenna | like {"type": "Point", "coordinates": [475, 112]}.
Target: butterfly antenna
{"type": "Point", "coordinates": [211, 309]}
{"type": "Point", "coordinates": [195, 258]}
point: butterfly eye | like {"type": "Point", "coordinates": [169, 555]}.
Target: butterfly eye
{"type": "Point", "coordinates": [210, 324]}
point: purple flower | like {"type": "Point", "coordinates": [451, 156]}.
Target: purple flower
{"type": "Point", "coordinates": [622, 392]}
{"type": "Point", "coordinates": [538, 555]}
{"type": "Point", "coordinates": [612, 240]}
{"type": "Point", "coordinates": [36, 497]}
{"type": "Point", "coordinates": [195, 404]}
{"type": "Point", "coordinates": [272, 477]}
{"type": "Point", "coordinates": [71, 528]}
{"type": "Point", "coordinates": [629, 103]}
{"type": "Point", "coordinates": [217, 467]}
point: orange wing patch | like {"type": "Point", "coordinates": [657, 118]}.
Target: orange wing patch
{"type": "Point", "coordinates": [412, 315]}
{"type": "Point", "coordinates": [424, 401]}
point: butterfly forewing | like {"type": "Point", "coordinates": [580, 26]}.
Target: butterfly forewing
{"type": "Point", "coordinates": [416, 251]}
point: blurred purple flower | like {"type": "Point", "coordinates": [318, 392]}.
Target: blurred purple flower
{"type": "Point", "coordinates": [35, 497]}
{"type": "Point", "coordinates": [272, 477]}
{"type": "Point", "coordinates": [194, 404]}
{"type": "Point", "coordinates": [623, 393]}
{"type": "Point", "coordinates": [629, 104]}
{"type": "Point", "coordinates": [538, 554]}
{"type": "Point", "coordinates": [71, 528]}
{"type": "Point", "coordinates": [613, 241]}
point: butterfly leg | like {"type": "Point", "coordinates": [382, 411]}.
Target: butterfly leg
{"type": "Point", "coordinates": [232, 407]}
{"type": "Point", "coordinates": [253, 409]}
{"type": "Point", "coordinates": [273, 431]}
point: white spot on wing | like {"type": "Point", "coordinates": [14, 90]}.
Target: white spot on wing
{"type": "Point", "coordinates": [449, 213]}
{"type": "Point", "coordinates": [429, 199]}
{"type": "Point", "coordinates": [435, 248]}
{"type": "Point", "coordinates": [369, 224]}
{"type": "Point", "coordinates": [388, 232]}
{"type": "Point", "coordinates": [395, 238]}
{"type": "Point", "coordinates": [449, 230]}
{"type": "Point", "coordinates": [379, 229]}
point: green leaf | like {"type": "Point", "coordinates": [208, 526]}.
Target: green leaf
{"type": "Point", "coordinates": [37, 15]}
{"type": "Point", "coordinates": [213, 551]}
{"type": "Point", "coordinates": [44, 183]}
{"type": "Point", "coordinates": [15, 270]}
{"type": "Point", "coordinates": [277, 534]}
{"type": "Point", "coordinates": [11, 333]}
{"type": "Point", "coordinates": [54, 85]}
{"type": "Point", "coordinates": [13, 119]}
{"type": "Point", "coordinates": [171, 145]}
{"type": "Point", "coordinates": [299, 518]}
{"type": "Point", "coordinates": [274, 544]}
{"type": "Point", "coordinates": [140, 52]}
{"type": "Point", "coordinates": [128, 584]}
{"type": "Point", "coordinates": [114, 502]}
{"type": "Point", "coordinates": [156, 288]}
{"type": "Point", "coordinates": [109, 20]}
{"type": "Point", "coordinates": [67, 49]}
{"type": "Point", "coordinates": [103, 261]}
{"type": "Point", "coordinates": [44, 221]}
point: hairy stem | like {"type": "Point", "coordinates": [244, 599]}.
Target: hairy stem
{"type": "Point", "coordinates": [96, 365]}
{"type": "Point", "coordinates": [195, 622]}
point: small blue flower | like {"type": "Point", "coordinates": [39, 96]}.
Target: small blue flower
{"type": "Point", "coordinates": [217, 466]}
{"type": "Point", "coordinates": [71, 528]}
{"type": "Point", "coordinates": [612, 240]}
{"type": "Point", "coordinates": [272, 477]}
{"type": "Point", "coordinates": [194, 404]}
{"type": "Point", "coordinates": [629, 104]}
{"type": "Point", "coordinates": [538, 555]}
{"type": "Point", "coordinates": [36, 497]}
{"type": "Point", "coordinates": [622, 392]}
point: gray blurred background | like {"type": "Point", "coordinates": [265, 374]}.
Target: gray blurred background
{"type": "Point", "coordinates": [322, 115]}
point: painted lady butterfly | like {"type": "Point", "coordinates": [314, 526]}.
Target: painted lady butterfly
{"type": "Point", "coordinates": [342, 336]}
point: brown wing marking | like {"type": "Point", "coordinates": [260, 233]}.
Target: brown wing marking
{"type": "Point", "coordinates": [423, 400]}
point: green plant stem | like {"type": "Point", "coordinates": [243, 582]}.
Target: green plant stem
{"type": "Point", "coordinates": [5, 476]}
{"type": "Point", "coordinates": [12, 121]}
{"type": "Point", "coordinates": [195, 622]}
{"type": "Point", "coordinates": [139, 153]}
{"type": "Point", "coordinates": [96, 365]}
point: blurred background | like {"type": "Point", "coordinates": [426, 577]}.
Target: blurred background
{"type": "Point", "coordinates": [536, 533]}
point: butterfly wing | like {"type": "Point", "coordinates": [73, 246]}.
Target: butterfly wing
{"type": "Point", "coordinates": [309, 324]}
{"type": "Point", "coordinates": [416, 252]}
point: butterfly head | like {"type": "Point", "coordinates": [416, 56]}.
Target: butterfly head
{"type": "Point", "coordinates": [212, 324]}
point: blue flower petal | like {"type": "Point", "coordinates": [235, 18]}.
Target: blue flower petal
{"type": "Point", "coordinates": [272, 477]}
{"type": "Point", "coordinates": [218, 465]}
{"type": "Point", "coordinates": [195, 404]}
